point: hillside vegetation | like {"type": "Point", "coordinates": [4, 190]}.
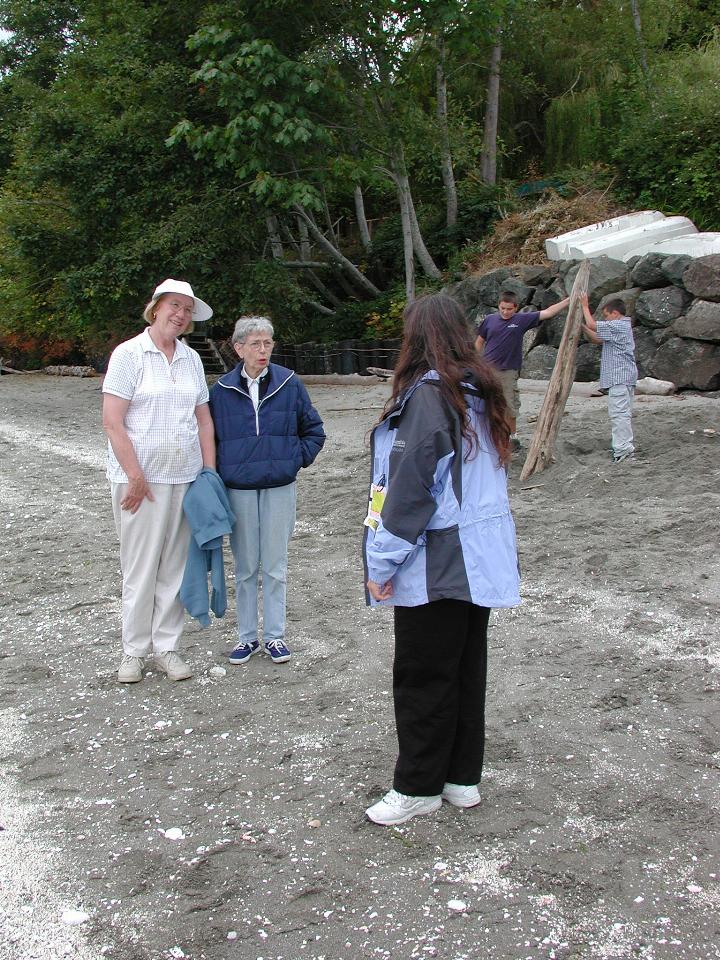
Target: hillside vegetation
{"type": "Point", "coordinates": [324, 161]}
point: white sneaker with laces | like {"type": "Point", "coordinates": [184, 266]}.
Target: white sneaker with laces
{"type": "Point", "coordinates": [173, 665]}
{"type": "Point", "coordinates": [461, 796]}
{"type": "Point", "coordinates": [398, 807]}
{"type": "Point", "coordinates": [130, 669]}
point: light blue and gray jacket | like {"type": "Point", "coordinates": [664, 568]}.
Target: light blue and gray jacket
{"type": "Point", "coordinates": [445, 530]}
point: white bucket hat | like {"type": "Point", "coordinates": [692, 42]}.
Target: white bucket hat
{"type": "Point", "coordinates": [201, 310]}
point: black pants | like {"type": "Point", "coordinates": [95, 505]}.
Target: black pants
{"type": "Point", "coordinates": [439, 676]}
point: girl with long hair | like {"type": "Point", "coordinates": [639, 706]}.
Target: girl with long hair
{"type": "Point", "coordinates": [440, 548]}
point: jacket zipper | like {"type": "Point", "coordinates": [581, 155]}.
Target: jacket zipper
{"type": "Point", "coordinates": [229, 386]}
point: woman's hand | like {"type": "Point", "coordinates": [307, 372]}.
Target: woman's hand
{"type": "Point", "coordinates": [137, 489]}
{"type": "Point", "coordinates": [380, 591]}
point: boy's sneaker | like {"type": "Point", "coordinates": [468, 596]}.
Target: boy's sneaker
{"type": "Point", "coordinates": [130, 669]}
{"type": "Point", "coordinates": [621, 457]}
{"type": "Point", "coordinates": [277, 651]}
{"type": "Point", "coordinates": [461, 796]}
{"type": "Point", "coordinates": [243, 652]}
{"type": "Point", "coordinates": [173, 665]}
{"type": "Point", "coordinates": [398, 807]}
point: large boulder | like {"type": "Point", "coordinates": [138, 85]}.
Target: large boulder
{"type": "Point", "coordinates": [658, 308]}
{"type": "Point", "coordinates": [565, 265]}
{"type": "Point", "coordinates": [673, 267]}
{"type": "Point", "coordinates": [646, 346]}
{"type": "Point", "coordinates": [539, 363]}
{"type": "Point", "coordinates": [535, 275]}
{"type": "Point", "coordinates": [532, 338]}
{"type": "Point", "coordinates": [702, 322]}
{"type": "Point", "coordinates": [553, 328]}
{"type": "Point", "coordinates": [606, 276]}
{"type": "Point", "coordinates": [477, 291]}
{"type": "Point", "coordinates": [522, 291]}
{"type": "Point", "coordinates": [587, 364]}
{"type": "Point", "coordinates": [629, 298]}
{"type": "Point", "coordinates": [688, 364]}
{"type": "Point", "coordinates": [702, 277]}
{"type": "Point", "coordinates": [546, 298]}
{"type": "Point", "coordinates": [648, 272]}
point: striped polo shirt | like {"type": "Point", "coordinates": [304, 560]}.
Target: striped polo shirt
{"type": "Point", "coordinates": [617, 361]}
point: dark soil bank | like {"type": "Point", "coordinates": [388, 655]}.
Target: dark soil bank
{"type": "Point", "coordinates": [598, 831]}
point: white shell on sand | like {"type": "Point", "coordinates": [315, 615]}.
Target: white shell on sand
{"type": "Point", "coordinates": [73, 918]}
{"type": "Point", "coordinates": [459, 906]}
{"type": "Point", "coordinates": [174, 833]}
{"type": "Point", "coordinates": [217, 671]}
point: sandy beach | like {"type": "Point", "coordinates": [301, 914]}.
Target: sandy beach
{"type": "Point", "coordinates": [598, 832]}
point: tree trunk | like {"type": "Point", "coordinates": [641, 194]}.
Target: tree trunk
{"type": "Point", "coordinates": [321, 308]}
{"type": "Point", "coordinates": [540, 454]}
{"type": "Point", "coordinates": [350, 269]}
{"type": "Point", "coordinates": [328, 220]}
{"type": "Point", "coordinates": [361, 219]}
{"type": "Point", "coordinates": [304, 241]}
{"type": "Point", "coordinates": [446, 165]}
{"type": "Point", "coordinates": [271, 222]}
{"type": "Point", "coordinates": [403, 184]}
{"type": "Point", "coordinates": [407, 242]}
{"type": "Point", "coordinates": [488, 163]}
{"type": "Point", "coordinates": [635, 8]}
{"type": "Point", "coordinates": [305, 264]}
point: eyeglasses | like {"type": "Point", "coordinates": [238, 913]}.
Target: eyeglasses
{"type": "Point", "coordinates": [258, 344]}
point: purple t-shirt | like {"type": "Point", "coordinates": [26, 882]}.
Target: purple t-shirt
{"type": "Point", "coordinates": [504, 338]}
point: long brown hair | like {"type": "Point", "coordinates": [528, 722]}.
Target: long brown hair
{"type": "Point", "coordinates": [437, 337]}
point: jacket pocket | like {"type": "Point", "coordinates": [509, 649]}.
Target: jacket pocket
{"type": "Point", "coordinates": [445, 565]}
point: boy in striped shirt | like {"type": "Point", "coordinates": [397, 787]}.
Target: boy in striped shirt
{"type": "Point", "coordinates": [618, 372]}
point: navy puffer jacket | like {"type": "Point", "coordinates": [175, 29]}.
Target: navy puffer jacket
{"type": "Point", "coordinates": [267, 449]}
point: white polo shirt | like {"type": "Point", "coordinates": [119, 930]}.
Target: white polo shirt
{"type": "Point", "coordinates": [160, 420]}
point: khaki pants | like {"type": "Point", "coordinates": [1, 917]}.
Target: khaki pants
{"type": "Point", "coordinates": [509, 382]}
{"type": "Point", "coordinates": [153, 551]}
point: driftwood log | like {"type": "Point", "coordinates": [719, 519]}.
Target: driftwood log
{"type": "Point", "coordinates": [4, 368]}
{"type": "Point", "coordinates": [540, 454]}
{"type": "Point", "coordinates": [70, 371]}
{"type": "Point", "coordinates": [381, 372]}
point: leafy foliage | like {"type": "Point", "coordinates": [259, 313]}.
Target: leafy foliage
{"type": "Point", "coordinates": [668, 150]}
{"type": "Point", "coordinates": [140, 140]}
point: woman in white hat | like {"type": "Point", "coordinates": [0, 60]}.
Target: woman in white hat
{"type": "Point", "coordinates": [160, 433]}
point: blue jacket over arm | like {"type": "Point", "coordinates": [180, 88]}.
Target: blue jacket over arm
{"type": "Point", "coordinates": [210, 517]}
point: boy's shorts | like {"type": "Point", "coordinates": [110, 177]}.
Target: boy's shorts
{"type": "Point", "coordinates": [509, 383]}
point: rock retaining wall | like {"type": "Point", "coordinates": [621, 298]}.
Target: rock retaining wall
{"type": "Point", "coordinates": [674, 302]}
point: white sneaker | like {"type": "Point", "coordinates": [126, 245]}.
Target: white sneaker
{"type": "Point", "coordinates": [398, 807]}
{"type": "Point", "coordinates": [460, 796]}
{"type": "Point", "coordinates": [130, 669]}
{"type": "Point", "coordinates": [173, 665]}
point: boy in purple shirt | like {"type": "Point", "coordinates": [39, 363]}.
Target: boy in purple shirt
{"type": "Point", "coordinates": [500, 341]}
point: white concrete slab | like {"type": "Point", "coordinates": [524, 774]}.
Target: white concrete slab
{"type": "Point", "coordinates": [691, 245]}
{"type": "Point", "coordinates": [557, 247]}
{"type": "Point", "coordinates": [618, 244]}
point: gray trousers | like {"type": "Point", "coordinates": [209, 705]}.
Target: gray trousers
{"type": "Point", "coordinates": [620, 404]}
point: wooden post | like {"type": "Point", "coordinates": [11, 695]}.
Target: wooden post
{"type": "Point", "coordinates": [540, 454]}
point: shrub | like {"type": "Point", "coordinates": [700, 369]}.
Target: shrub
{"type": "Point", "coordinates": [667, 147]}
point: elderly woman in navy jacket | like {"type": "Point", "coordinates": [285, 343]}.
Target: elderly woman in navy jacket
{"type": "Point", "coordinates": [266, 429]}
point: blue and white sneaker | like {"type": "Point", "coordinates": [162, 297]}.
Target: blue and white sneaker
{"type": "Point", "coordinates": [243, 652]}
{"type": "Point", "coordinates": [277, 651]}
